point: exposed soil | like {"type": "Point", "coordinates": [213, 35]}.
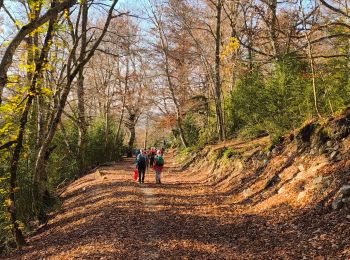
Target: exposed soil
{"type": "Point", "coordinates": [105, 215]}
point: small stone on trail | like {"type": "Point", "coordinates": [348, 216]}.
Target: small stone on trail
{"type": "Point", "coordinates": [317, 180]}
{"type": "Point", "coordinates": [329, 143]}
{"type": "Point", "coordinates": [321, 150]}
{"type": "Point", "coordinates": [301, 195]}
{"type": "Point", "coordinates": [337, 204]}
{"type": "Point", "coordinates": [301, 167]}
{"type": "Point", "coordinates": [333, 154]}
{"type": "Point", "coordinates": [346, 200]}
{"type": "Point", "coordinates": [345, 190]}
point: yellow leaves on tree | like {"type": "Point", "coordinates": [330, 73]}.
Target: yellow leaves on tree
{"type": "Point", "coordinates": [40, 30]}
{"type": "Point", "coordinates": [66, 14]}
{"type": "Point", "coordinates": [37, 4]}
{"type": "Point", "coordinates": [19, 24]}
{"type": "Point", "coordinates": [8, 203]}
{"type": "Point", "coordinates": [45, 91]}
{"type": "Point", "coordinates": [229, 48]}
{"type": "Point", "coordinates": [29, 68]}
{"type": "Point", "coordinates": [226, 56]}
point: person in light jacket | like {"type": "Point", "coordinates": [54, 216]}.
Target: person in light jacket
{"type": "Point", "coordinates": [158, 165]}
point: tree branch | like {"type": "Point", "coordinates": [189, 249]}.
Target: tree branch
{"type": "Point", "coordinates": [25, 30]}
{"type": "Point", "coordinates": [7, 145]}
{"type": "Point", "coordinates": [334, 9]}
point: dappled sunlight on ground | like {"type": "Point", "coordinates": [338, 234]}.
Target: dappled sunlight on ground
{"type": "Point", "coordinates": [107, 215]}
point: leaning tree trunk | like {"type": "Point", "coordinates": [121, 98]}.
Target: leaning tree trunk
{"type": "Point", "coordinates": [171, 86]}
{"type": "Point", "coordinates": [37, 76]}
{"type": "Point", "coordinates": [40, 177]}
{"type": "Point", "coordinates": [217, 90]}
{"type": "Point", "coordinates": [311, 60]}
{"type": "Point", "coordinates": [13, 175]}
{"type": "Point", "coordinates": [82, 129]}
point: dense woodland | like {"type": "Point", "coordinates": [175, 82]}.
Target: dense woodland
{"type": "Point", "coordinates": [81, 81]}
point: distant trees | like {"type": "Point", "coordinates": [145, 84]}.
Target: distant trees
{"type": "Point", "coordinates": [167, 66]}
{"type": "Point", "coordinates": [253, 51]}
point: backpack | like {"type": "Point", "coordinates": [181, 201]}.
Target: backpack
{"type": "Point", "coordinates": [141, 161]}
{"type": "Point", "coordinates": [159, 161]}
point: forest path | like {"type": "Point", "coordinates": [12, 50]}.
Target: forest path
{"type": "Point", "coordinates": [106, 215]}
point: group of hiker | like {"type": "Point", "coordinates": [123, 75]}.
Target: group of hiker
{"type": "Point", "coordinates": [151, 158]}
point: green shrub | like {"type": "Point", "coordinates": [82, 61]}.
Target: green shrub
{"type": "Point", "coordinates": [62, 167]}
{"type": "Point", "coordinates": [273, 104]}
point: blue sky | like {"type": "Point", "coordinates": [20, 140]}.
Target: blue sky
{"type": "Point", "coordinates": [134, 6]}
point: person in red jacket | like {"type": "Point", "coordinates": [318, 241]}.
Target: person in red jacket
{"type": "Point", "coordinates": [158, 165]}
{"type": "Point", "coordinates": [151, 156]}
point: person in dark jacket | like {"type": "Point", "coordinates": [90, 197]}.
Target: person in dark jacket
{"type": "Point", "coordinates": [141, 164]}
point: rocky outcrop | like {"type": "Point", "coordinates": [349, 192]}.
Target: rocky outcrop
{"type": "Point", "coordinates": [302, 170]}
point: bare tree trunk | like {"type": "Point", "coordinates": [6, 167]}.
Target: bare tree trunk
{"type": "Point", "coordinates": [311, 60]}
{"type": "Point", "coordinates": [40, 120]}
{"type": "Point", "coordinates": [23, 121]}
{"type": "Point", "coordinates": [177, 106]}
{"type": "Point", "coordinates": [40, 176]}
{"type": "Point", "coordinates": [13, 176]}
{"type": "Point", "coordinates": [217, 92]}
{"type": "Point", "coordinates": [146, 134]}
{"type": "Point", "coordinates": [65, 139]}
{"type": "Point", "coordinates": [165, 51]}
{"type": "Point", "coordinates": [272, 27]}
{"type": "Point", "coordinates": [131, 127]}
{"type": "Point", "coordinates": [312, 65]}
{"type": "Point", "coordinates": [123, 104]}
{"type": "Point", "coordinates": [107, 127]}
{"type": "Point", "coordinates": [82, 129]}
{"type": "Point", "coordinates": [120, 121]}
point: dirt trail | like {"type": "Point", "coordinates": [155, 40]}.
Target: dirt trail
{"type": "Point", "coordinates": [105, 215]}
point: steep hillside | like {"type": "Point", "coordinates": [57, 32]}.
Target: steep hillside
{"type": "Point", "coordinates": [306, 169]}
